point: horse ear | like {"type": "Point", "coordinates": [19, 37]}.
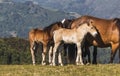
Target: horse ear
{"type": "Point", "coordinates": [116, 21]}
{"type": "Point", "coordinates": [90, 21]}
{"type": "Point", "coordinates": [63, 21]}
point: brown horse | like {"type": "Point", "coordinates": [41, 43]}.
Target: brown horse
{"type": "Point", "coordinates": [76, 36]}
{"type": "Point", "coordinates": [109, 34]}
{"type": "Point", "coordinates": [44, 36]}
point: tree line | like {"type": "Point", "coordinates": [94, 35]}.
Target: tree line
{"type": "Point", "coordinates": [16, 51]}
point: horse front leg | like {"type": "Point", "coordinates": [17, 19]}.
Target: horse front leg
{"type": "Point", "coordinates": [79, 60]}
{"type": "Point", "coordinates": [54, 53]}
{"type": "Point", "coordinates": [44, 54]}
{"type": "Point", "coordinates": [66, 48]}
{"type": "Point", "coordinates": [94, 55]}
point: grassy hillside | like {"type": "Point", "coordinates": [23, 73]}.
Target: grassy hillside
{"type": "Point", "coordinates": [70, 70]}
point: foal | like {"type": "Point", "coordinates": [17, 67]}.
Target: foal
{"type": "Point", "coordinates": [45, 36]}
{"type": "Point", "coordinates": [76, 36]}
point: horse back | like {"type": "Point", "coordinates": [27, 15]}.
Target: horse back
{"type": "Point", "coordinates": [37, 35]}
{"type": "Point", "coordinates": [108, 28]}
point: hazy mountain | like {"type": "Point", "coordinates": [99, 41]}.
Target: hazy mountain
{"type": "Point", "coordinates": [17, 19]}
{"type": "Point", "coordinates": [100, 8]}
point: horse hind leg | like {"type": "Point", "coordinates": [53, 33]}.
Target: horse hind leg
{"type": "Point", "coordinates": [113, 52]}
{"type": "Point", "coordinates": [79, 60]}
{"type": "Point", "coordinates": [44, 54]}
{"type": "Point", "coordinates": [33, 49]}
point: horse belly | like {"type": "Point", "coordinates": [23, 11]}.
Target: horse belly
{"type": "Point", "coordinates": [115, 36]}
{"type": "Point", "coordinates": [69, 39]}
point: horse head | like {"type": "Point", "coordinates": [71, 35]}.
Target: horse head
{"type": "Point", "coordinates": [88, 27]}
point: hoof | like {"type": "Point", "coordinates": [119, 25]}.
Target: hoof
{"type": "Point", "coordinates": [87, 63]}
{"type": "Point", "coordinates": [60, 64]}
{"type": "Point", "coordinates": [53, 64]}
{"type": "Point", "coordinates": [43, 63]}
{"type": "Point", "coordinates": [34, 64]}
{"type": "Point", "coordinates": [50, 64]}
{"type": "Point", "coordinates": [79, 64]}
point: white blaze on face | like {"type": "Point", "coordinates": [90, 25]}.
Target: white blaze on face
{"type": "Point", "coordinates": [63, 21]}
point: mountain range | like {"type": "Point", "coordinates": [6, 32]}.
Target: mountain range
{"type": "Point", "coordinates": [17, 17]}
{"type": "Point", "coordinates": [99, 8]}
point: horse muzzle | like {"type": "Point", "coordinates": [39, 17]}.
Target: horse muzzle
{"type": "Point", "coordinates": [94, 34]}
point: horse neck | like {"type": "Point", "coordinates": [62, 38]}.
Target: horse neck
{"type": "Point", "coordinates": [50, 32]}
{"type": "Point", "coordinates": [83, 29]}
{"type": "Point", "coordinates": [47, 32]}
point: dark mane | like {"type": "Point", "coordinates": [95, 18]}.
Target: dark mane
{"type": "Point", "coordinates": [67, 23]}
{"type": "Point", "coordinates": [50, 26]}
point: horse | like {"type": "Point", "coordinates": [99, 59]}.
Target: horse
{"type": "Point", "coordinates": [76, 36]}
{"type": "Point", "coordinates": [45, 36]}
{"type": "Point", "coordinates": [69, 49]}
{"type": "Point", "coordinates": [109, 35]}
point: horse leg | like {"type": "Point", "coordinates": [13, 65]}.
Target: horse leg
{"type": "Point", "coordinates": [67, 53]}
{"type": "Point", "coordinates": [113, 52]}
{"type": "Point", "coordinates": [66, 47]}
{"type": "Point", "coordinates": [87, 53]}
{"type": "Point", "coordinates": [94, 55]}
{"type": "Point", "coordinates": [60, 58]}
{"type": "Point", "coordinates": [50, 54]}
{"type": "Point", "coordinates": [33, 48]}
{"type": "Point", "coordinates": [79, 55]}
{"type": "Point", "coordinates": [44, 54]}
{"type": "Point", "coordinates": [54, 52]}
{"type": "Point", "coordinates": [119, 53]}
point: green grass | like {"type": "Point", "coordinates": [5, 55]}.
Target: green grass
{"type": "Point", "coordinates": [69, 70]}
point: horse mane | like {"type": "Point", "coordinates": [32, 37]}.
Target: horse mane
{"type": "Point", "coordinates": [87, 22]}
{"type": "Point", "coordinates": [72, 20]}
{"type": "Point", "coordinates": [50, 26]}
{"type": "Point", "coordinates": [67, 23]}
{"type": "Point", "coordinates": [36, 29]}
